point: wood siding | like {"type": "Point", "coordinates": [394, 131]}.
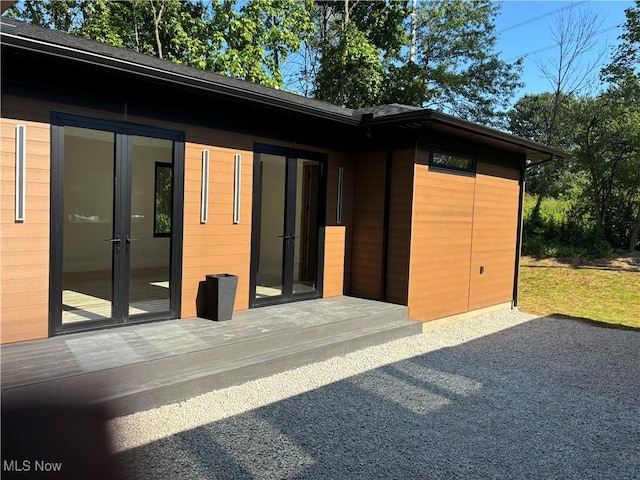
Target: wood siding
{"type": "Point", "coordinates": [494, 235]}
{"type": "Point", "coordinates": [462, 223]}
{"type": "Point", "coordinates": [399, 236]}
{"type": "Point", "coordinates": [218, 246]}
{"type": "Point", "coordinates": [338, 237]}
{"type": "Point", "coordinates": [368, 225]}
{"type": "Point", "coordinates": [24, 246]}
{"type": "Point", "coordinates": [334, 256]}
{"type": "Point", "coordinates": [440, 244]}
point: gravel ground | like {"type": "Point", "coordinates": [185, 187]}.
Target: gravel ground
{"type": "Point", "coordinates": [506, 396]}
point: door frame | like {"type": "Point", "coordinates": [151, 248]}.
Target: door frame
{"type": "Point", "coordinates": [288, 153]}
{"type": "Point", "coordinates": [121, 129]}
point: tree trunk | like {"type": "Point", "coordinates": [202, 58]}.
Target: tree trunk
{"type": "Point", "coordinates": [156, 24]}
{"type": "Point", "coordinates": [635, 233]}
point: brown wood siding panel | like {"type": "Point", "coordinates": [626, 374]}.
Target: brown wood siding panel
{"type": "Point", "coordinates": [219, 246]}
{"type": "Point", "coordinates": [335, 161]}
{"type": "Point", "coordinates": [24, 248]}
{"type": "Point", "coordinates": [399, 238]}
{"type": "Point", "coordinates": [368, 224]}
{"type": "Point", "coordinates": [494, 235]}
{"type": "Point", "coordinates": [333, 281]}
{"type": "Point", "coordinates": [440, 244]}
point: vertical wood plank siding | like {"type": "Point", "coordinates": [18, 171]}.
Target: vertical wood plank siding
{"type": "Point", "coordinates": [24, 251]}
{"type": "Point", "coordinates": [368, 225]}
{"type": "Point", "coordinates": [399, 237]}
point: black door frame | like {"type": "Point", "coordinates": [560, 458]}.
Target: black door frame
{"type": "Point", "coordinates": [122, 205]}
{"type": "Point", "coordinates": [291, 155]}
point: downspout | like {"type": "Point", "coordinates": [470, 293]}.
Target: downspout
{"type": "Point", "coordinates": [385, 226]}
{"type": "Point", "coordinates": [516, 270]}
{"type": "Point", "coordinates": [516, 277]}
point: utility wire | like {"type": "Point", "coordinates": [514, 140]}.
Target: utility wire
{"type": "Point", "coordinates": [539, 17]}
{"type": "Point", "coordinates": [549, 47]}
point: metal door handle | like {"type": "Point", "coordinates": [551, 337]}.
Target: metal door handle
{"type": "Point", "coordinates": [129, 239]}
{"type": "Point", "coordinates": [112, 240]}
{"type": "Point", "coordinates": [286, 237]}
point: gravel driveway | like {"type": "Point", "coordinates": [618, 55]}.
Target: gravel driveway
{"type": "Point", "coordinates": [506, 396]}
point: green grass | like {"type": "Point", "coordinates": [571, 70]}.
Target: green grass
{"type": "Point", "coordinates": [609, 296]}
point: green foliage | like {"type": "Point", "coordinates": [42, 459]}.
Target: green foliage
{"type": "Point", "coordinates": [559, 227]}
{"type": "Point", "coordinates": [355, 75]}
{"type": "Point", "coordinates": [458, 62]}
{"type": "Point", "coordinates": [626, 59]}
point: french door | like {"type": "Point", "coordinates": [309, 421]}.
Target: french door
{"type": "Point", "coordinates": [116, 223]}
{"type": "Point", "coordinates": [288, 213]}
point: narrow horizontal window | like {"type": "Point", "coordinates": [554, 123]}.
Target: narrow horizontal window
{"type": "Point", "coordinates": [450, 160]}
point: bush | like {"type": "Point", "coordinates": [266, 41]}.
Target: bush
{"type": "Point", "coordinates": [560, 227]}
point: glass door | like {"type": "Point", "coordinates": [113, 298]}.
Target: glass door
{"type": "Point", "coordinates": [89, 232]}
{"type": "Point", "coordinates": [287, 212]}
{"type": "Point", "coordinates": [114, 235]}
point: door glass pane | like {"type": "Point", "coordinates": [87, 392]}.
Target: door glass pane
{"type": "Point", "coordinates": [306, 226]}
{"type": "Point", "coordinates": [149, 243]}
{"type": "Point", "coordinates": [89, 159]}
{"type": "Point", "coordinates": [272, 187]}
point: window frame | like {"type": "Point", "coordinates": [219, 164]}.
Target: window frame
{"type": "Point", "coordinates": [156, 233]}
{"type": "Point", "coordinates": [451, 168]}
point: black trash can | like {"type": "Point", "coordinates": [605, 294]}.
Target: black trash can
{"type": "Point", "coordinates": [221, 295]}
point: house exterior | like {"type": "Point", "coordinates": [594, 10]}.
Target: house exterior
{"type": "Point", "coordinates": [127, 179]}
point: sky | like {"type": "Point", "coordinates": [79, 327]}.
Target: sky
{"type": "Point", "coordinates": [524, 29]}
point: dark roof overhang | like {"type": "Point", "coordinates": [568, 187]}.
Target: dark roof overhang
{"type": "Point", "coordinates": [30, 38]}
{"type": "Point", "coordinates": [410, 120]}
{"type": "Point", "coordinates": [437, 122]}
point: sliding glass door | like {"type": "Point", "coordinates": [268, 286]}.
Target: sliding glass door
{"type": "Point", "coordinates": [115, 234]}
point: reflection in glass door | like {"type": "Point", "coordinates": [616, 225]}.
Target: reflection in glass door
{"type": "Point", "coordinates": [116, 234]}
{"type": "Point", "coordinates": [286, 228]}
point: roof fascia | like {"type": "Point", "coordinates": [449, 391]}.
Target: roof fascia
{"type": "Point", "coordinates": [121, 65]}
{"type": "Point", "coordinates": [427, 116]}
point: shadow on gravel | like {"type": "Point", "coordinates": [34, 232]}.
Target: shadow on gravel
{"type": "Point", "coordinates": [543, 399]}
{"type": "Point", "coordinates": [595, 323]}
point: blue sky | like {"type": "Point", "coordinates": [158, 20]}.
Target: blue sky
{"type": "Point", "coordinates": [524, 27]}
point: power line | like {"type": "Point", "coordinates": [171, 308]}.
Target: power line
{"type": "Point", "coordinates": [539, 17]}
{"type": "Point", "coordinates": [549, 47]}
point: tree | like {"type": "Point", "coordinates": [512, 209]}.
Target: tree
{"type": "Point", "coordinates": [357, 42]}
{"type": "Point", "coordinates": [626, 59]}
{"type": "Point", "coordinates": [249, 41]}
{"type": "Point", "coordinates": [458, 69]}
{"type": "Point", "coordinates": [259, 36]}
{"type": "Point", "coordinates": [624, 73]}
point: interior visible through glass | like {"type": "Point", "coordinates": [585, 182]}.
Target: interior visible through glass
{"type": "Point", "coordinates": [302, 249]}
{"type": "Point", "coordinates": [272, 187]}
{"type": "Point", "coordinates": [89, 162]}
{"type": "Point", "coordinates": [89, 237]}
{"type": "Point", "coordinates": [149, 243]}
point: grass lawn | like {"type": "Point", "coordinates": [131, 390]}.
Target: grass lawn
{"type": "Point", "coordinates": [610, 296]}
